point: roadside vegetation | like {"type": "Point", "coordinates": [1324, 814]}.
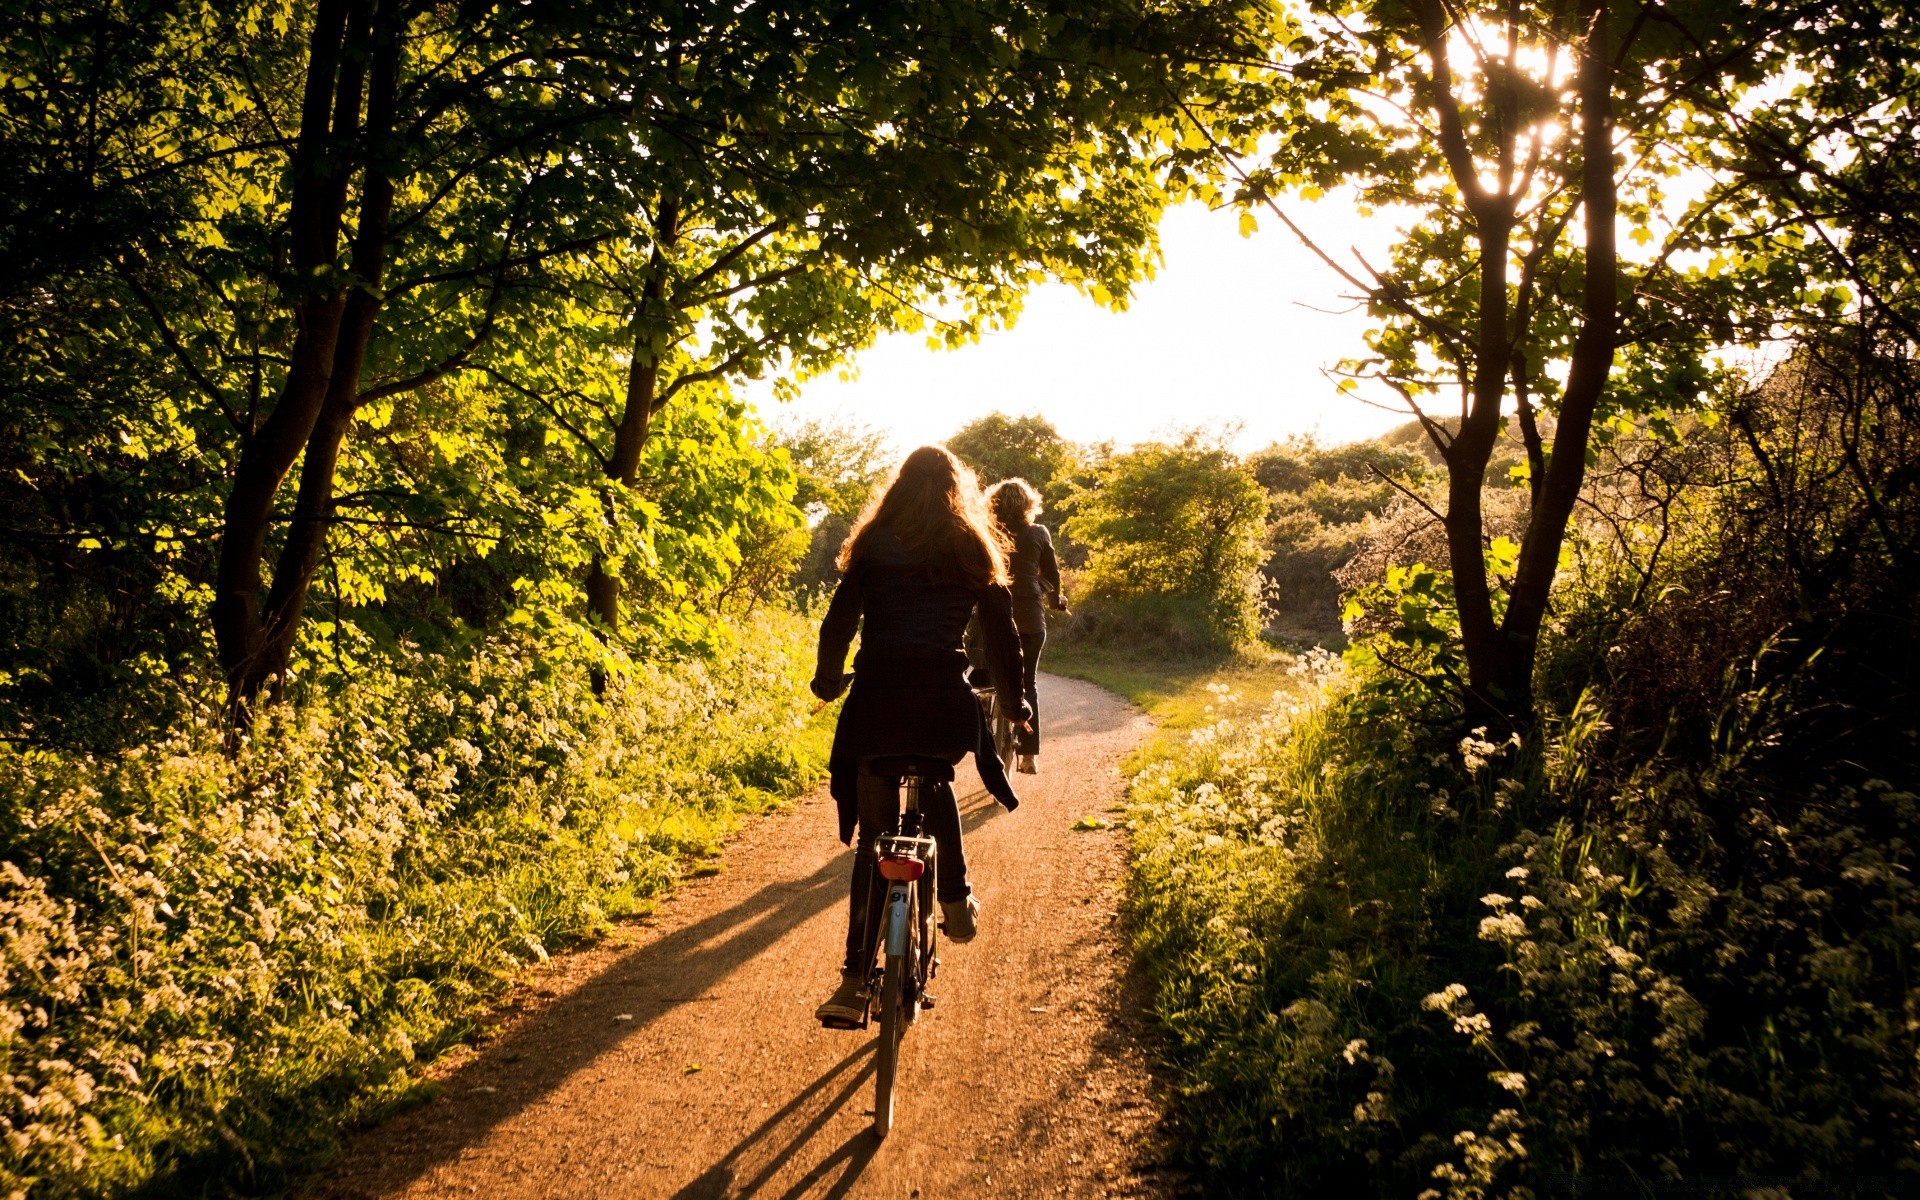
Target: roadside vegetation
{"type": "Point", "coordinates": [1662, 940]}
{"type": "Point", "coordinates": [214, 960]}
{"type": "Point", "coordinates": [1586, 867]}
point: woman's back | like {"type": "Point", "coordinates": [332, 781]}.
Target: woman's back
{"type": "Point", "coordinates": [911, 613]}
{"type": "Point", "coordinates": [920, 561]}
{"type": "Point", "coordinates": [1032, 560]}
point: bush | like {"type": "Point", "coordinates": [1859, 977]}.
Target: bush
{"type": "Point", "coordinates": [836, 469]}
{"type": "Point", "coordinates": [1389, 964]}
{"type": "Point", "coordinates": [1173, 537]}
{"type": "Point", "coordinates": [1001, 447]}
{"type": "Point", "coordinates": [212, 961]}
{"type": "Point", "coordinates": [1327, 505]}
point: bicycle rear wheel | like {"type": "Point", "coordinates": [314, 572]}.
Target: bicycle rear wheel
{"type": "Point", "coordinates": [893, 994]}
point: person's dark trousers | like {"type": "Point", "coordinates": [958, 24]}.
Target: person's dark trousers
{"type": "Point", "coordinates": [879, 816]}
{"type": "Point", "coordinates": [1027, 741]}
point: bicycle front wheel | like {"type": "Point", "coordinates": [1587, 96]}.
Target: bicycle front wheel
{"type": "Point", "coordinates": [893, 999]}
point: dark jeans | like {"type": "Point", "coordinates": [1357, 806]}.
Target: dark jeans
{"type": "Point", "coordinates": [879, 816]}
{"type": "Point", "coordinates": [1027, 741]}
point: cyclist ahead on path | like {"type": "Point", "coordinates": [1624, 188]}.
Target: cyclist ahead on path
{"type": "Point", "coordinates": [1036, 586]}
{"type": "Point", "coordinates": [920, 560]}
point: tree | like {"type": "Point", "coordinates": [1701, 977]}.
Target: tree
{"type": "Point", "coordinates": [855, 207]}
{"type": "Point", "coordinates": [837, 467]}
{"type": "Point", "coordinates": [339, 203]}
{"type": "Point", "coordinates": [1174, 536]}
{"type": "Point", "coordinates": [1502, 129]}
{"type": "Point", "coordinates": [1001, 447]}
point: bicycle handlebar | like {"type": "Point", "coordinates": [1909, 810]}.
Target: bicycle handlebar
{"type": "Point", "coordinates": [846, 681]}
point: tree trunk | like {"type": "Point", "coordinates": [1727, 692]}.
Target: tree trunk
{"type": "Point", "coordinates": [1467, 457]}
{"type": "Point", "coordinates": [1587, 373]}
{"type": "Point", "coordinates": [329, 114]}
{"type": "Point", "coordinates": [636, 418]}
{"type": "Point", "coordinates": [313, 503]}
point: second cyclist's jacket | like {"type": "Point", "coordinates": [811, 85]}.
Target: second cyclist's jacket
{"type": "Point", "coordinates": [910, 693]}
{"type": "Point", "coordinates": [1036, 577]}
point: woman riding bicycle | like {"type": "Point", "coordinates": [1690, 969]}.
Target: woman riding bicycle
{"type": "Point", "coordinates": [1036, 578]}
{"type": "Point", "coordinates": [919, 561]}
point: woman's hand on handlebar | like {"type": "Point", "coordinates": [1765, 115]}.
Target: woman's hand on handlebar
{"type": "Point", "coordinates": [1025, 716]}
{"type": "Point", "coordinates": [828, 689]}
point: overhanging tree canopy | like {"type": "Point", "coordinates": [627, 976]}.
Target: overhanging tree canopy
{"type": "Point", "coordinates": [305, 213]}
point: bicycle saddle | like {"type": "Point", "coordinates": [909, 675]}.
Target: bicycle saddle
{"type": "Point", "coordinates": [893, 766]}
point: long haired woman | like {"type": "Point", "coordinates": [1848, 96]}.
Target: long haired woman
{"type": "Point", "coordinates": [921, 559]}
{"type": "Point", "coordinates": [1036, 585]}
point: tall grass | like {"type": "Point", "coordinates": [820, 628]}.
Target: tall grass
{"type": "Point", "coordinates": [210, 962]}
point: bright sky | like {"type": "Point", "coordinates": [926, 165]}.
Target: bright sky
{"type": "Point", "coordinates": [1231, 332]}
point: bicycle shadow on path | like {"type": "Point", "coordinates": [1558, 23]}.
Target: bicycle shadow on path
{"type": "Point", "coordinates": [756, 1161]}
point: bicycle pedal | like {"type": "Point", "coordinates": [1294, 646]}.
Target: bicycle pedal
{"type": "Point", "coordinates": [926, 1001]}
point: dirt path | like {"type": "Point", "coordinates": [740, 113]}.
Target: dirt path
{"type": "Point", "coordinates": [686, 1063]}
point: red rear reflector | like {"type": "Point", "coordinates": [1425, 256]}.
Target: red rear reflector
{"type": "Point", "coordinates": [902, 870]}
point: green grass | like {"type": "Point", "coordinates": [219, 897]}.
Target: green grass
{"type": "Point", "coordinates": [1182, 692]}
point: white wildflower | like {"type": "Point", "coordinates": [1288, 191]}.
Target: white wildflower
{"type": "Point", "coordinates": [1504, 927]}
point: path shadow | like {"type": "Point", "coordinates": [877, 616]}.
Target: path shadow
{"type": "Point", "coordinates": [535, 1056]}
{"type": "Point", "coordinates": [749, 1168]}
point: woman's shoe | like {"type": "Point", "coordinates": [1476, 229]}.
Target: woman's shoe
{"type": "Point", "coordinates": [847, 1007]}
{"type": "Point", "coordinates": [960, 919]}
{"type": "Point", "coordinates": [1027, 766]}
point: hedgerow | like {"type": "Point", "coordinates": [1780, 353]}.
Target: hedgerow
{"type": "Point", "coordinates": [1396, 966]}
{"type": "Point", "coordinates": [211, 961]}
{"type": "Point", "coordinates": [1660, 942]}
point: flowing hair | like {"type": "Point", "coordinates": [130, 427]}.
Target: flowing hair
{"type": "Point", "coordinates": [1014, 503]}
{"type": "Point", "coordinates": [934, 506]}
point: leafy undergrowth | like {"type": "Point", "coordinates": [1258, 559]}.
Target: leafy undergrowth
{"type": "Point", "coordinates": [212, 963]}
{"type": "Point", "coordinates": [1391, 961]}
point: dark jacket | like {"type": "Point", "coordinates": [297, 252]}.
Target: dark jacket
{"type": "Point", "coordinates": [1036, 577]}
{"type": "Point", "coordinates": [910, 692]}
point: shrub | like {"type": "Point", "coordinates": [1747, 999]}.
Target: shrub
{"type": "Point", "coordinates": [1001, 447]}
{"type": "Point", "coordinates": [211, 961]}
{"type": "Point", "coordinates": [1388, 964]}
{"type": "Point", "coordinates": [1662, 947]}
{"type": "Point", "coordinates": [1173, 535]}
{"type": "Point", "coordinates": [1326, 508]}
{"type": "Point", "coordinates": [836, 468]}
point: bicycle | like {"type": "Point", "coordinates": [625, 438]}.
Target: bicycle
{"type": "Point", "coordinates": [1000, 723]}
{"type": "Point", "coordinates": [898, 983]}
